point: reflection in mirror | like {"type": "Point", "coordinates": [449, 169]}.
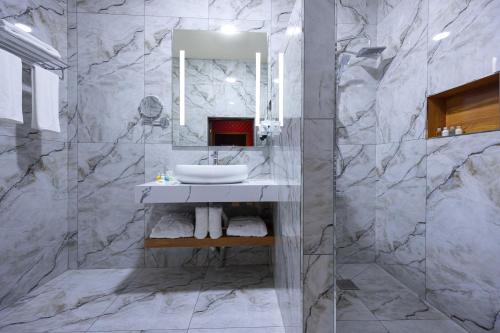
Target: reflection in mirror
{"type": "Point", "coordinates": [219, 85]}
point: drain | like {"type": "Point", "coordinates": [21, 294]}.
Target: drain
{"type": "Point", "coordinates": [346, 285]}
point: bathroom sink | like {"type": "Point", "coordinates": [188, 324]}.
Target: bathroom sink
{"type": "Point", "coordinates": [210, 174]}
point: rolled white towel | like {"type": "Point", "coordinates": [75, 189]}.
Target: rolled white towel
{"type": "Point", "coordinates": [215, 222]}
{"type": "Point", "coordinates": [247, 226]}
{"type": "Point", "coordinates": [201, 224]}
{"type": "Point", "coordinates": [173, 226]}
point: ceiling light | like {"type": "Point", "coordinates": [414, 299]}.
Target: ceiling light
{"type": "Point", "coordinates": [228, 29]}
{"type": "Point", "coordinates": [441, 35]}
{"type": "Point", "coordinates": [230, 79]}
{"type": "Point", "coordinates": [23, 27]}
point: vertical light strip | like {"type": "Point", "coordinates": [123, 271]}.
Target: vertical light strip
{"type": "Point", "coordinates": [182, 88]}
{"type": "Point", "coordinates": [257, 88]}
{"type": "Point", "coordinates": [281, 74]}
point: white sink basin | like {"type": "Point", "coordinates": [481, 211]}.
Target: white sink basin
{"type": "Point", "coordinates": [210, 174]}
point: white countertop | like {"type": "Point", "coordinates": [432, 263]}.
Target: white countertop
{"type": "Point", "coordinates": [251, 190]}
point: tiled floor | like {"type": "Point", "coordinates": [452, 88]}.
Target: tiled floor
{"type": "Point", "coordinates": [383, 305]}
{"type": "Point", "coordinates": [237, 299]}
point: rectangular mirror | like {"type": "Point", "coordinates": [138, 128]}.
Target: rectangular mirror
{"type": "Point", "coordinates": [219, 87]}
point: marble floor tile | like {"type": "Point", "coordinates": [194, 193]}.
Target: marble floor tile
{"type": "Point", "coordinates": [240, 296]}
{"type": "Point", "coordinates": [422, 326]}
{"type": "Point", "coordinates": [154, 299]}
{"type": "Point", "coordinates": [69, 303]}
{"type": "Point", "coordinates": [350, 307]}
{"type": "Point", "coordinates": [360, 326]}
{"type": "Point", "coordinates": [239, 330]}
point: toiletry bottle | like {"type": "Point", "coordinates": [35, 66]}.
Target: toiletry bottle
{"type": "Point", "coordinates": [445, 131]}
{"type": "Point", "coordinates": [459, 130]}
{"type": "Point", "coordinates": [452, 130]}
{"type": "Point", "coordinates": [438, 131]}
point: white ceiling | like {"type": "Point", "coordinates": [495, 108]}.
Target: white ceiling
{"type": "Point", "coordinates": [200, 44]}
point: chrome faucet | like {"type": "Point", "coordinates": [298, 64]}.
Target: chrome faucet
{"type": "Point", "coordinates": [215, 157]}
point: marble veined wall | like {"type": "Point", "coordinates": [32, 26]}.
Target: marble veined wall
{"type": "Point", "coordinates": [437, 200]}
{"type": "Point", "coordinates": [33, 172]}
{"type": "Point", "coordinates": [120, 52]}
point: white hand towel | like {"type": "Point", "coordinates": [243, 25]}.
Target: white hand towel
{"type": "Point", "coordinates": [11, 87]}
{"type": "Point", "coordinates": [45, 112]}
{"type": "Point", "coordinates": [175, 226]}
{"type": "Point", "coordinates": [215, 222]}
{"type": "Point", "coordinates": [247, 226]}
{"type": "Point", "coordinates": [201, 224]}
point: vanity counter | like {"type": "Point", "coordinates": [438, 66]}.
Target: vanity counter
{"type": "Point", "coordinates": [251, 190]}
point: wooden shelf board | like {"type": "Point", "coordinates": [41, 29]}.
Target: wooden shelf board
{"type": "Point", "coordinates": [224, 241]}
{"type": "Point", "coordinates": [474, 106]}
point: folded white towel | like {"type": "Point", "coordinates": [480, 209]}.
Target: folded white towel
{"type": "Point", "coordinates": [201, 224]}
{"type": "Point", "coordinates": [174, 226]}
{"type": "Point", "coordinates": [247, 226]}
{"type": "Point", "coordinates": [11, 87]}
{"type": "Point", "coordinates": [45, 109]}
{"type": "Point", "coordinates": [215, 222]}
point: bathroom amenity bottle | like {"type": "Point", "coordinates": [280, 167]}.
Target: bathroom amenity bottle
{"type": "Point", "coordinates": [445, 132]}
{"type": "Point", "coordinates": [438, 131]}
{"type": "Point", "coordinates": [452, 130]}
{"type": "Point", "coordinates": [459, 130]}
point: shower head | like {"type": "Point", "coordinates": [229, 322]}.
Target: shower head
{"type": "Point", "coordinates": [368, 52]}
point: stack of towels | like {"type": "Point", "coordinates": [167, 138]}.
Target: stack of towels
{"type": "Point", "coordinates": [209, 222]}
{"type": "Point", "coordinates": [45, 94]}
{"type": "Point", "coordinates": [174, 226]}
{"type": "Point", "coordinates": [247, 226]}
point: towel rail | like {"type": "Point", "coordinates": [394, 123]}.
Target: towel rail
{"type": "Point", "coordinates": [30, 54]}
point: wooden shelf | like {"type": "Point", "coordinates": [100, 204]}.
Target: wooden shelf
{"type": "Point", "coordinates": [224, 241]}
{"type": "Point", "coordinates": [474, 106]}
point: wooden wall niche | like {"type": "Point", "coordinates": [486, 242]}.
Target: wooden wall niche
{"type": "Point", "coordinates": [474, 106]}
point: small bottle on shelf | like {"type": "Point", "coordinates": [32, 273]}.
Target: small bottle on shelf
{"type": "Point", "coordinates": [438, 131]}
{"type": "Point", "coordinates": [445, 131]}
{"type": "Point", "coordinates": [459, 130]}
{"type": "Point", "coordinates": [452, 130]}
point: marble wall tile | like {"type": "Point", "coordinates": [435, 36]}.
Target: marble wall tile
{"type": "Point", "coordinates": [49, 24]}
{"type": "Point", "coordinates": [401, 93]}
{"type": "Point", "coordinates": [400, 226]}
{"type": "Point", "coordinates": [355, 203]}
{"type": "Point", "coordinates": [174, 8]}
{"type": "Point", "coordinates": [467, 54]}
{"type": "Point", "coordinates": [126, 7]}
{"type": "Point", "coordinates": [357, 85]}
{"type": "Point", "coordinates": [462, 229]}
{"type": "Point", "coordinates": [34, 177]}
{"type": "Point", "coordinates": [257, 160]}
{"type": "Point", "coordinates": [319, 69]}
{"type": "Point", "coordinates": [356, 11]}
{"type": "Point", "coordinates": [111, 225]}
{"type": "Point", "coordinates": [318, 293]}
{"type": "Point", "coordinates": [385, 7]}
{"type": "Point", "coordinates": [318, 186]}
{"type": "Point", "coordinates": [239, 9]}
{"type": "Point", "coordinates": [110, 77]}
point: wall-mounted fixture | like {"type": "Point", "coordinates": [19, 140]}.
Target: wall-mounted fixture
{"type": "Point", "coordinates": [182, 87]}
{"type": "Point", "coordinates": [281, 76]}
{"type": "Point", "coordinates": [257, 88]}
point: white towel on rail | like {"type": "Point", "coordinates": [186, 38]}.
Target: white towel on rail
{"type": "Point", "coordinates": [11, 87]}
{"type": "Point", "coordinates": [173, 226]}
{"type": "Point", "coordinates": [45, 108]}
{"type": "Point", "coordinates": [247, 226]}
